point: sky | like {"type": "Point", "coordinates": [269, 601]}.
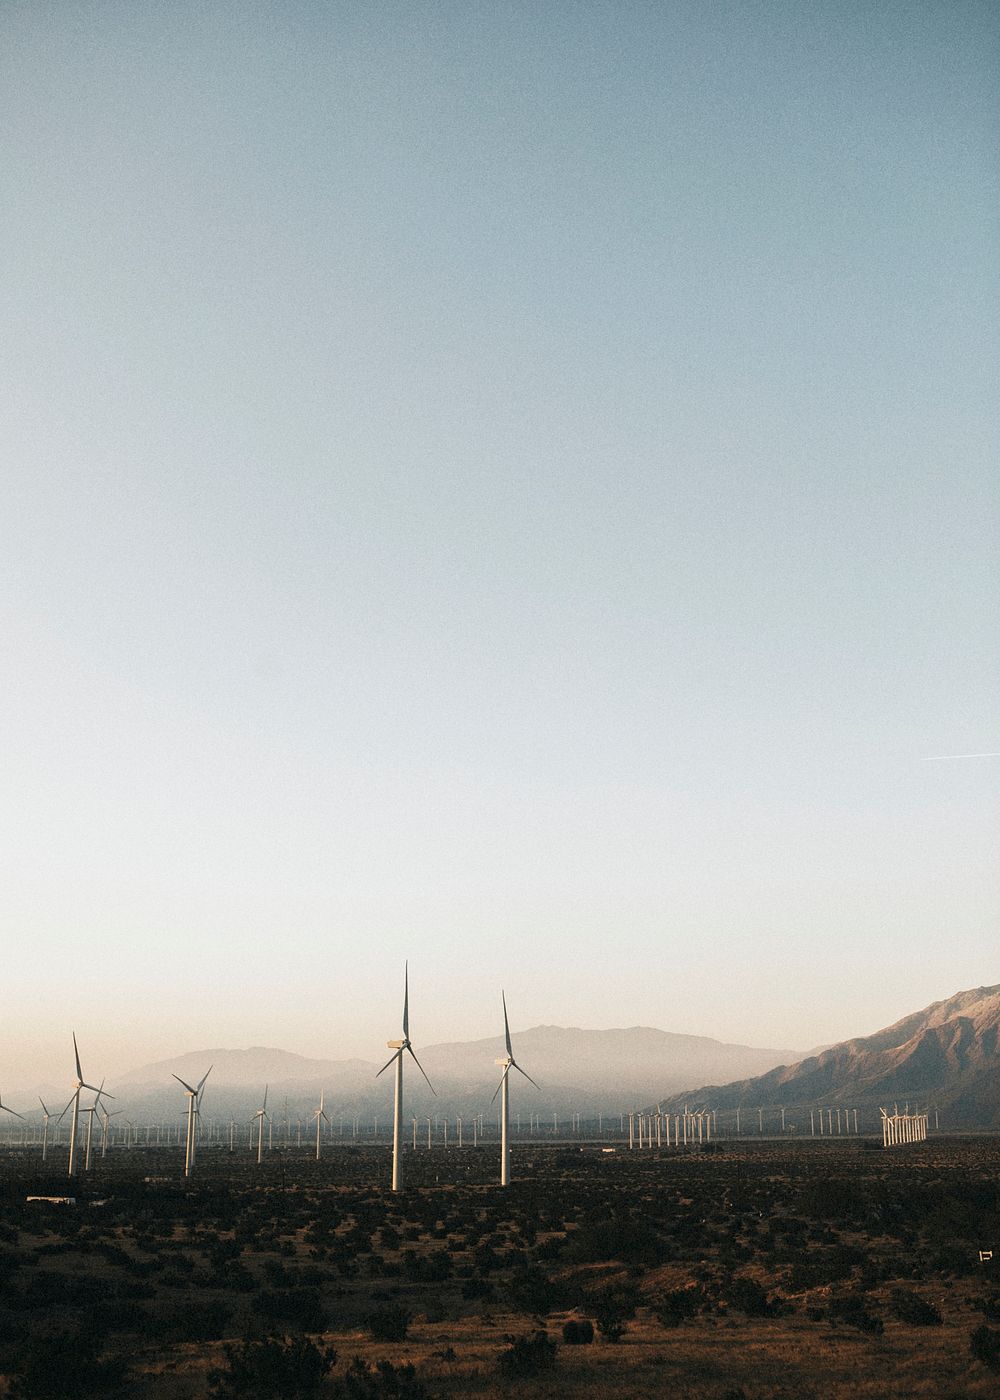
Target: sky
{"type": "Point", "coordinates": [505, 485]}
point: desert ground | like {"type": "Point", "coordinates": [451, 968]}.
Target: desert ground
{"type": "Point", "coordinates": [751, 1270]}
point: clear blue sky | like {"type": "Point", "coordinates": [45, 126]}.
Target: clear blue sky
{"type": "Point", "coordinates": [511, 485]}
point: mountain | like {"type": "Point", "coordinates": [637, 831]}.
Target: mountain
{"type": "Point", "coordinates": [579, 1070]}
{"type": "Point", "coordinates": [947, 1055]}
{"type": "Point", "coordinates": [250, 1068]}
{"type": "Point", "coordinates": [615, 1062]}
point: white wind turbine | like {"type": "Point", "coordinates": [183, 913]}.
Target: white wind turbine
{"type": "Point", "coordinates": [90, 1125]}
{"type": "Point", "coordinates": [45, 1130]}
{"type": "Point", "coordinates": [74, 1104]}
{"type": "Point", "coordinates": [503, 1089]}
{"type": "Point", "coordinates": [321, 1118]}
{"type": "Point", "coordinates": [260, 1115]}
{"type": "Point", "coordinates": [194, 1108]}
{"type": "Point", "coordinates": [106, 1127]}
{"type": "Point", "coordinates": [401, 1047]}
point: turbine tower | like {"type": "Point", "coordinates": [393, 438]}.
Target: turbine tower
{"type": "Point", "coordinates": [260, 1115]}
{"type": "Point", "coordinates": [320, 1115]}
{"type": "Point", "coordinates": [401, 1047]}
{"type": "Point", "coordinates": [194, 1107]}
{"type": "Point", "coordinates": [45, 1130]}
{"type": "Point", "coordinates": [90, 1125]}
{"type": "Point", "coordinates": [503, 1089]}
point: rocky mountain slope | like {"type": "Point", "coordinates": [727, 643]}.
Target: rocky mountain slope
{"type": "Point", "coordinates": [945, 1055]}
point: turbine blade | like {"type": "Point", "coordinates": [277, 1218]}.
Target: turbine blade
{"type": "Point", "coordinates": [44, 1109]}
{"type": "Point", "coordinates": [391, 1061]}
{"type": "Point", "coordinates": [406, 1000]}
{"type": "Point", "coordinates": [187, 1086]}
{"type": "Point", "coordinates": [499, 1086]}
{"type": "Point", "coordinates": [76, 1055]}
{"type": "Point", "coordinates": [506, 1026]}
{"type": "Point", "coordinates": [421, 1069]}
{"type": "Point", "coordinates": [525, 1073]}
{"type": "Point", "coordinates": [264, 1104]}
{"type": "Point", "coordinates": [68, 1107]}
{"type": "Point", "coordinates": [12, 1111]}
{"type": "Point", "coordinates": [201, 1081]}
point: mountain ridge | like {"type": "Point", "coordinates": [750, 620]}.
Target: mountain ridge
{"type": "Point", "coordinates": [948, 1053]}
{"type": "Point", "coordinates": [579, 1070]}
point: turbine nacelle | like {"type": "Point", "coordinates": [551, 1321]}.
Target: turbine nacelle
{"type": "Point", "coordinates": [404, 1046]}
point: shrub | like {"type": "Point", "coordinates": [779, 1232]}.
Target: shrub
{"type": "Point", "coordinates": [381, 1382]}
{"type": "Point", "coordinates": [678, 1304]}
{"type": "Point", "coordinates": [616, 1238]}
{"type": "Point", "coordinates": [532, 1292]}
{"type": "Point", "coordinates": [989, 1306]}
{"type": "Point", "coordinates": [613, 1309]}
{"type": "Point", "coordinates": [206, 1321]}
{"type": "Point", "coordinates": [909, 1307]}
{"type": "Point", "coordinates": [850, 1308]}
{"type": "Point", "coordinates": [527, 1356]}
{"type": "Point", "coordinates": [388, 1324]}
{"type": "Point", "coordinates": [301, 1308]}
{"type": "Point", "coordinates": [117, 1315]}
{"type": "Point", "coordinates": [65, 1366]}
{"type": "Point", "coordinates": [578, 1332]}
{"type": "Point", "coordinates": [292, 1367]}
{"type": "Point", "coordinates": [985, 1346]}
{"type": "Point", "coordinates": [747, 1296]}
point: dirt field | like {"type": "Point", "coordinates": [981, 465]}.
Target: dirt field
{"type": "Point", "coordinates": [756, 1270]}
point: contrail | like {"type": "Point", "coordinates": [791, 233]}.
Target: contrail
{"type": "Point", "coordinates": [941, 757]}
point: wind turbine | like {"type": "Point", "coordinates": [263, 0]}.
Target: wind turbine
{"type": "Point", "coordinates": [260, 1115]}
{"type": "Point", "coordinates": [194, 1107]}
{"type": "Point", "coordinates": [106, 1127]}
{"type": "Point", "coordinates": [503, 1089]}
{"type": "Point", "coordinates": [321, 1118]}
{"type": "Point", "coordinates": [74, 1103]}
{"type": "Point", "coordinates": [45, 1131]}
{"type": "Point", "coordinates": [90, 1125]}
{"type": "Point", "coordinates": [401, 1047]}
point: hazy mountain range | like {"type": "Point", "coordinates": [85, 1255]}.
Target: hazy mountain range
{"type": "Point", "coordinates": [584, 1071]}
{"type": "Point", "coordinates": [945, 1055]}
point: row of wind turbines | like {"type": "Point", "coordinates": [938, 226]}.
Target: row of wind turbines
{"type": "Point", "coordinates": [195, 1092]}
{"type": "Point", "coordinates": [404, 1047]}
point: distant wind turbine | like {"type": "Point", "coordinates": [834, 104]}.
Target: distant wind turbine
{"type": "Point", "coordinates": [90, 1111]}
{"type": "Point", "coordinates": [74, 1104]}
{"type": "Point", "coordinates": [45, 1131]}
{"type": "Point", "coordinates": [401, 1047]}
{"type": "Point", "coordinates": [320, 1115]}
{"type": "Point", "coordinates": [503, 1089]}
{"type": "Point", "coordinates": [260, 1115]}
{"type": "Point", "coordinates": [194, 1107]}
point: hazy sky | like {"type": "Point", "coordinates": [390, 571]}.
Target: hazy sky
{"type": "Point", "coordinates": [511, 485]}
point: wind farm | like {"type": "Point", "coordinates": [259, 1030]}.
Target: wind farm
{"type": "Point", "coordinates": [633, 1231]}
{"type": "Point", "coordinates": [507, 493]}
